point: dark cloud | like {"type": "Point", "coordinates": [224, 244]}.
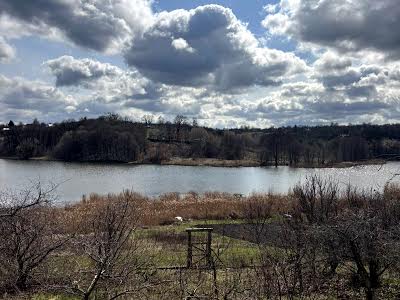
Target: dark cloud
{"type": "Point", "coordinates": [340, 109]}
{"type": "Point", "coordinates": [151, 91]}
{"type": "Point", "coordinates": [111, 88]}
{"type": "Point", "coordinates": [348, 25]}
{"type": "Point", "coordinates": [331, 62]}
{"type": "Point", "coordinates": [318, 111]}
{"type": "Point", "coordinates": [70, 71]}
{"type": "Point", "coordinates": [336, 73]}
{"type": "Point", "coordinates": [20, 94]}
{"type": "Point", "coordinates": [208, 46]}
{"type": "Point", "coordinates": [104, 82]}
{"type": "Point", "coordinates": [98, 25]}
{"type": "Point", "coordinates": [365, 91]}
{"type": "Point", "coordinates": [339, 80]}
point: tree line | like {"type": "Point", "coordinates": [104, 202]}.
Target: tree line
{"type": "Point", "coordinates": [113, 138]}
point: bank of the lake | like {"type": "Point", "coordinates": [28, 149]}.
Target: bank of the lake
{"type": "Point", "coordinates": [214, 162]}
{"type": "Point", "coordinates": [77, 179]}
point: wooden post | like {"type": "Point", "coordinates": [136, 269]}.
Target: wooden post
{"type": "Point", "coordinates": [208, 250]}
{"type": "Point", "coordinates": [189, 253]}
{"type": "Point", "coordinates": [206, 256]}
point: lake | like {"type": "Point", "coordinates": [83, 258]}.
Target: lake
{"type": "Point", "coordinates": [77, 179]}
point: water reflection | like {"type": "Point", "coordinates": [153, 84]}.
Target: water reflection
{"type": "Point", "coordinates": [84, 178]}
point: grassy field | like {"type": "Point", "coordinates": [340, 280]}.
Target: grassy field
{"type": "Point", "coordinates": [311, 244]}
{"type": "Point", "coordinates": [165, 246]}
{"type": "Point", "coordinates": [168, 244]}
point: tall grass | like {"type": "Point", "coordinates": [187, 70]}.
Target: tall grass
{"type": "Point", "coordinates": [162, 210]}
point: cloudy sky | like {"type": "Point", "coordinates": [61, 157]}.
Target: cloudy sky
{"type": "Point", "coordinates": [227, 62]}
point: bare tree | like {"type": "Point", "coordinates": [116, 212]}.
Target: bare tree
{"type": "Point", "coordinates": [148, 119]}
{"type": "Point", "coordinates": [179, 122]}
{"type": "Point", "coordinates": [115, 269]}
{"type": "Point", "coordinates": [198, 139]}
{"type": "Point", "coordinates": [11, 203]}
{"type": "Point", "coordinates": [317, 199]}
{"type": "Point", "coordinates": [368, 238]}
{"type": "Point", "coordinates": [273, 145]}
{"type": "Point", "coordinates": [28, 235]}
{"type": "Point", "coordinates": [358, 230]}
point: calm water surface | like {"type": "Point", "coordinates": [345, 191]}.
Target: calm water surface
{"type": "Point", "coordinates": [78, 179]}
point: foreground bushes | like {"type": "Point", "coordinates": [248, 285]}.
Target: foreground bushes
{"type": "Point", "coordinates": [315, 241]}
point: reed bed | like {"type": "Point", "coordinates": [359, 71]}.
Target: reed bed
{"type": "Point", "coordinates": [162, 210]}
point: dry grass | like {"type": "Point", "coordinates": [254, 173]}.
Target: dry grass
{"type": "Point", "coordinates": [212, 162]}
{"type": "Point", "coordinates": [192, 206]}
{"type": "Point", "coordinates": [162, 210]}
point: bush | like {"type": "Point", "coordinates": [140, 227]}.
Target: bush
{"type": "Point", "coordinates": [27, 149]}
{"type": "Point", "coordinates": [97, 145]}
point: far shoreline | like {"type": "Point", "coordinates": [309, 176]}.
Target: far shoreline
{"type": "Point", "coordinates": [212, 162]}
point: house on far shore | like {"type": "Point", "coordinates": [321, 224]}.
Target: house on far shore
{"type": "Point", "coordinates": [6, 129]}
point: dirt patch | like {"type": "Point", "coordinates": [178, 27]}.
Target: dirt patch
{"type": "Point", "coordinates": [211, 162]}
{"type": "Point", "coordinates": [268, 234]}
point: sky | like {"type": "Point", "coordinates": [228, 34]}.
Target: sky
{"type": "Point", "coordinates": [227, 63]}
